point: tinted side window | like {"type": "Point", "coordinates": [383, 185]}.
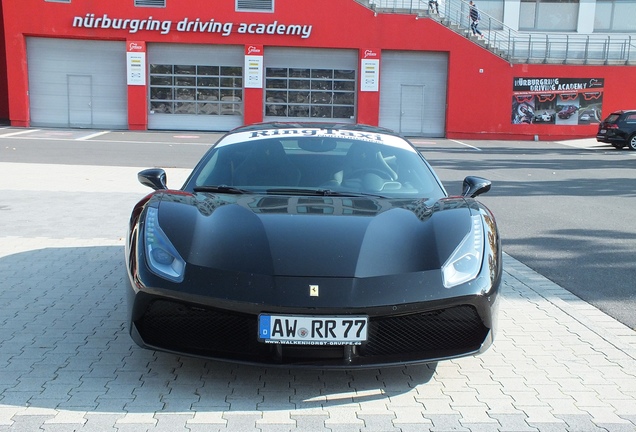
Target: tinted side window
{"type": "Point", "coordinates": [630, 118]}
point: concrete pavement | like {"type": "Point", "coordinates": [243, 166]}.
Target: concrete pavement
{"type": "Point", "coordinates": [68, 364]}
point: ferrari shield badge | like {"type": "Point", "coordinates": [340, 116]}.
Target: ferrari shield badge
{"type": "Point", "coordinates": [313, 290]}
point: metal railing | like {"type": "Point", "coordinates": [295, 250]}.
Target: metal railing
{"type": "Point", "coordinates": [516, 46]}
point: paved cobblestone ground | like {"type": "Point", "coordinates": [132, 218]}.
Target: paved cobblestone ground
{"type": "Point", "coordinates": [67, 363]}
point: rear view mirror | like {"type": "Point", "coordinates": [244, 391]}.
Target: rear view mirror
{"type": "Point", "coordinates": [474, 186]}
{"type": "Point", "coordinates": [154, 178]}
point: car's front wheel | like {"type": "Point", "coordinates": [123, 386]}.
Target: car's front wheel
{"type": "Point", "coordinates": [631, 143]}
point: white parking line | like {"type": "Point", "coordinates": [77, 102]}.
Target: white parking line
{"type": "Point", "coordinates": [583, 143]}
{"type": "Point", "coordinates": [22, 132]}
{"type": "Point", "coordinates": [467, 145]}
{"type": "Point", "coordinates": [96, 134]}
{"type": "Point", "coordinates": [593, 145]}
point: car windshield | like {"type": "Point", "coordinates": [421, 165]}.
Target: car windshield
{"type": "Point", "coordinates": [315, 162]}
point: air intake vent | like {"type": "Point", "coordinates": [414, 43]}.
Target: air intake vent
{"type": "Point", "coordinates": [255, 5]}
{"type": "Point", "coordinates": [150, 3]}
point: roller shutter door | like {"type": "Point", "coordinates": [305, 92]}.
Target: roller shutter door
{"type": "Point", "coordinates": [413, 92]}
{"type": "Point", "coordinates": [310, 84]}
{"type": "Point", "coordinates": [76, 83]}
{"type": "Point", "coordinates": [195, 87]}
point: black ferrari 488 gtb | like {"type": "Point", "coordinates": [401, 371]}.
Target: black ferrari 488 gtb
{"type": "Point", "coordinates": [314, 245]}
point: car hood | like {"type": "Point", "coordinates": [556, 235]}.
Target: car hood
{"type": "Point", "coordinates": [312, 236]}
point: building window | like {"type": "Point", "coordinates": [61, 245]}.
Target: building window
{"type": "Point", "coordinates": [615, 15]}
{"type": "Point", "coordinates": [490, 9]}
{"type": "Point", "coordinates": [317, 93]}
{"type": "Point", "coordinates": [255, 5]}
{"type": "Point", "coordinates": [549, 15]}
{"type": "Point", "coordinates": [150, 3]}
{"type": "Point", "coordinates": [196, 90]}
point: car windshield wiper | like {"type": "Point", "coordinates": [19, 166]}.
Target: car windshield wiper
{"type": "Point", "coordinates": [221, 189]}
{"type": "Point", "coordinates": [319, 192]}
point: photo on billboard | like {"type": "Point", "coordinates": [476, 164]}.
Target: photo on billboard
{"type": "Point", "coordinates": [557, 101]}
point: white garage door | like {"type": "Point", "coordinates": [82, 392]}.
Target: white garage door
{"type": "Point", "coordinates": [310, 84]}
{"type": "Point", "coordinates": [413, 92]}
{"type": "Point", "coordinates": [75, 83]}
{"type": "Point", "coordinates": [195, 87]}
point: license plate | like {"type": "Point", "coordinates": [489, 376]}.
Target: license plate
{"type": "Point", "coordinates": [603, 131]}
{"type": "Point", "coordinates": [312, 329]}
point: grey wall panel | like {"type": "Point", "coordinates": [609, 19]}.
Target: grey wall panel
{"type": "Point", "coordinates": [413, 87]}
{"type": "Point", "coordinates": [311, 58]}
{"type": "Point", "coordinates": [56, 64]}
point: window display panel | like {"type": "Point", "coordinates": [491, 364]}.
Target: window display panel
{"type": "Point", "coordinates": [316, 93]}
{"type": "Point", "coordinates": [196, 90]}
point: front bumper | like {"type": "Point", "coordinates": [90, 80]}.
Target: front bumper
{"type": "Point", "coordinates": [422, 332]}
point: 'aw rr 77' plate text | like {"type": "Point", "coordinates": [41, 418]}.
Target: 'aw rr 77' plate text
{"type": "Point", "coordinates": [312, 330]}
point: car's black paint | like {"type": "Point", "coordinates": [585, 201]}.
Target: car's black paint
{"type": "Point", "coordinates": [618, 129]}
{"type": "Point", "coordinates": [255, 253]}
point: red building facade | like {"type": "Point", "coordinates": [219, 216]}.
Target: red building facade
{"type": "Point", "coordinates": [97, 64]}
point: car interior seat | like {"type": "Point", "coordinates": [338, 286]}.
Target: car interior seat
{"type": "Point", "coordinates": [267, 164]}
{"type": "Point", "coordinates": [361, 159]}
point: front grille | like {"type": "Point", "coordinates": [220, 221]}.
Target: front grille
{"type": "Point", "coordinates": [441, 330]}
{"type": "Point", "coordinates": [229, 335]}
{"type": "Point", "coordinates": [208, 332]}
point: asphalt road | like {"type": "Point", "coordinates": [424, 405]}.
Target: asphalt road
{"type": "Point", "coordinates": [564, 208]}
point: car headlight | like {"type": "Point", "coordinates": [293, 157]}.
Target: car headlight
{"type": "Point", "coordinates": [465, 261]}
{"type": "Point", "coordinates": [162, 257]}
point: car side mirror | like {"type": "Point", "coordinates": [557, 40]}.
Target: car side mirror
{"type": "Point", "coordinates": [154, 178]}
{"type": "Point", "coordinates": [474, 186]}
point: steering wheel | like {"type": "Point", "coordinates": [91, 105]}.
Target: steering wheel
{"type": "Point", "coordinates": [359, 172]}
